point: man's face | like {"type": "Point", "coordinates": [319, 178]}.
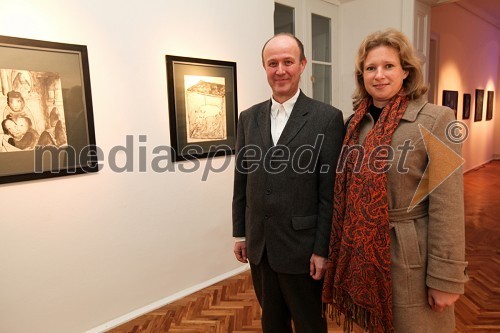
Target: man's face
{"type": "Point", "coordinates": [283, 67]}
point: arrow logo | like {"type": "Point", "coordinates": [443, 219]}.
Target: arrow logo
{"type": "Point", "coordinates": [435, 173]}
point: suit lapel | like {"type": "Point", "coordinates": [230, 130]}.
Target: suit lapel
{"type": "Point", "coordinates": [296, 121]}
{"type": "Point", "coordinates": [264, 123]}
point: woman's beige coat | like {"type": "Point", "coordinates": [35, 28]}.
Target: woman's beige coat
{"type": "Point", "coordinates": [427, 242]}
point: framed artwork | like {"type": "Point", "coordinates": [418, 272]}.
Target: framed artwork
{"type": "Point", "coordinates": [489, 105]}
{"type": "Point", "coordinates": [466, 106]}
{"type": "Point", "coordinates": [203, 110]}
{"type": "Point", "coordinates": [478, 113]}
{"type": "Point", "coordinates": [450, 99]}
{"type": "Point", "coordinates": [46, 110]}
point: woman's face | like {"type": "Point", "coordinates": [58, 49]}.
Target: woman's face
{"type": "Point", "coordinates": [382, 74]}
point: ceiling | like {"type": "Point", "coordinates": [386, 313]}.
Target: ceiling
{"type": "Point", "coordinates": [489, 10]}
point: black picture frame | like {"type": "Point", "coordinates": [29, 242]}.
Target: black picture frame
{"type": "Point", "coordinates": [203, 107]}
{"type": "Point", "coordinates": [489, 105]}
{"type": "Point", "coordinates": [478, 113]}
{"type": "Point", "coordinates": [450, 99]}
{"type": "Point", "coordinates": [466, 106]}
{"type": "Point", "coordinates": [47, 115]}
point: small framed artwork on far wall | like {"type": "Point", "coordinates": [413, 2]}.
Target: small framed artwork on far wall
{"type": "Point", "coordinates": [450, 99]}
{"type": "Point", "coordinates": [478, 113]}
{"type": "Point", "coordinates": [489, 105]}
{"type": "Point", "coordinates": [466, 106]}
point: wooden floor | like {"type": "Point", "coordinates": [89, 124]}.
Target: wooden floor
{"type": "Point", "coordinates": [231, 306]}
{"type": "Point", "coordinates": [479, 309]}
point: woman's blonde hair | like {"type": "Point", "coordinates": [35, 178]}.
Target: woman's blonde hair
{"type": "Point", "coordinates": [413, 84]}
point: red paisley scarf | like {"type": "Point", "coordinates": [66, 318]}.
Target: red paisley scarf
{"type": "Point", "coordinates": [358, 280]}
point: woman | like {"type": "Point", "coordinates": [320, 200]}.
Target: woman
{"type": "Point", "coordinates": [396, 261]}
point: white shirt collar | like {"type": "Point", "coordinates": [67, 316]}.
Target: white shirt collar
{"type": "Point", "coordinates": [287, 105]}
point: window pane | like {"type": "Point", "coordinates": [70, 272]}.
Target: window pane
{"type": "Point", "coordinates": [321, 38]}
{"type": "Point", "coordinates": [283, 19]}
{"type": "Point", "coordinates": [322, 83]}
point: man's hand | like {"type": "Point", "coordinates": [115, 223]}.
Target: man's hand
{"type": "Point", "coordinates": [440, 300]}
{"type": "Point", "coordinates": [317, 267]}
{"type": "Point", "coordinates": [240, 251]}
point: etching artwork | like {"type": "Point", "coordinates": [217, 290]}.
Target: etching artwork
{"type": "Point", "coordinates": [31, 109]}
{"type": "Point", "coordinates": [205, 108]}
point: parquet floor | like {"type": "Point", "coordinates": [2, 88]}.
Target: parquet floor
{"type": "Point", "coordinates": [478, 310]}
{"type": "Point", "coordinates": [231, 306]}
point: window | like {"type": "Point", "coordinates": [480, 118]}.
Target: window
{"type": "Point", "coordinates": [283, 19]}
{"type": "Point", "coordinates": [321, 59]}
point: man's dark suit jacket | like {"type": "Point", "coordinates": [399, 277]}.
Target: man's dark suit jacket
{"type": "Point", "coordinates": [283, 194]}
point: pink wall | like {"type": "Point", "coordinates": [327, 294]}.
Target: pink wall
{"type": "Point", "coordinates": [469, 55]}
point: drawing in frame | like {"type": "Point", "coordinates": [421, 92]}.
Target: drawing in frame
{"type": "Point", "coordinates": [466, 106]}
{"type": "Point", "coordinates": [478, 113]}
{"type": "Point", "coordinates": [450, 99]}
{"type": "Point", "coordinates": [489, 105]}
{"type": "Point", "coordinates": [203, 112]}
{"type": "Point", "coordinates": [46, 107]}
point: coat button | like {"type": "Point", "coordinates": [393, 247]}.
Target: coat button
{"type": "Point", "coordinates": [268, 191]}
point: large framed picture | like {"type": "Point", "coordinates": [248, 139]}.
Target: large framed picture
{"type": "Point", "coordinates": [450, 99]}
{"type": "Point", "coordinates": [46, 110]}
{"type": "Point", "coordinates": [478, 113]}
{"type": "Point", "coordinates": [489, 105]}
{"type": "Point", "coordinates": [203, 110]}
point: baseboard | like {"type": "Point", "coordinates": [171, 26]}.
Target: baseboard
{"type": "Point", "coordinates": [478, 166]}
{"type": "Point", "coordinates": [496, 157]}
{"type": "Point", "coordinates": [158, 304]}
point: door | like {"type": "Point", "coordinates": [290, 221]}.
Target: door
{"type": "Point", "coordinates": [315, 23]}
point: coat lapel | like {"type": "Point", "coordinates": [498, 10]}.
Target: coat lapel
{"type": "Point", "coordinates": [414, 107]}
{"type": "Point", "coordinates": [296, 121]}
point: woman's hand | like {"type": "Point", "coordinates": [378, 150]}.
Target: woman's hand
{"type": "Point", "coordinates": [440, 300]}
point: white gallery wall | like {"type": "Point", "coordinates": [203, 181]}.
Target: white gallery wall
{"type": "Point", "coordinates": [469, 59]}
{"type": "Point", "coordinates": [82, 252]}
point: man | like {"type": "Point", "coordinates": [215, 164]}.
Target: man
{"type": "Point", "coordinates": [287, 151]}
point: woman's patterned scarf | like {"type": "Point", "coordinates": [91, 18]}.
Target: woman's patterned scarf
{"type": "Point", "coordinates": [358, 280]}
